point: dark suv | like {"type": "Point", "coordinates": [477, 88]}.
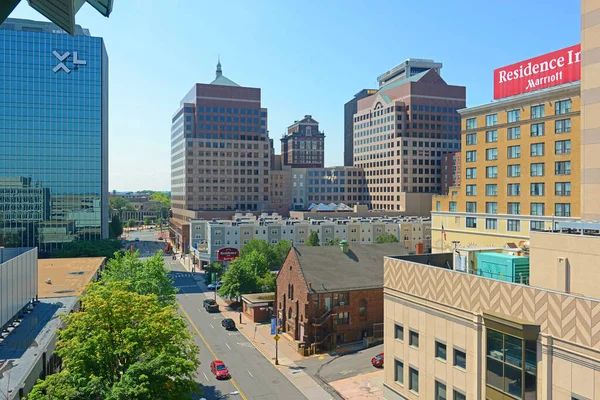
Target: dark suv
{"type": "Point", "coordinates": [210, 305]}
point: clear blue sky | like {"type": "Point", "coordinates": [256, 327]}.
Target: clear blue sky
{"type": "Point", "coordinates": [308, 57]}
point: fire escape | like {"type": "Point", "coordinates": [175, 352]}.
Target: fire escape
{"type": "Point", "coordinates": [322, 333]}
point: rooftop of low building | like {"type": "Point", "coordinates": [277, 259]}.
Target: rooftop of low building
{"type": "Point", "coordinates": [60, 277]}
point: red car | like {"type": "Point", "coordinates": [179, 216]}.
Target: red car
{"type": "Point", "coordinates": [219, 369]}
{"type": "Point", "coordinates": [377, 361]}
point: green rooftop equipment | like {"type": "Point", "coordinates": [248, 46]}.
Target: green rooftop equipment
{"type": "Point", "coordinates": [504, 267]}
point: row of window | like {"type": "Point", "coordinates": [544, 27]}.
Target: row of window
{"type": "Point", "coordinates": [535, 150]}
{"type": "Point", "coordinates": [229, 110]}
{"type": "Point", "coordinates": [514, 208]}
{"type": "Point", "coordinates": [535, 130]}
{"type": "Point", "coordinates": [537, 111]}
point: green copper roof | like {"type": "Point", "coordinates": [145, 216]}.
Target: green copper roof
{"type": "Point", "coordinates": [221, 80]}
{"type": "Point", "coordinates": [414, 78]}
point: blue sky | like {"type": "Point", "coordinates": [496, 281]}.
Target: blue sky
{"type": "Point", "coordinates": [308, 57]}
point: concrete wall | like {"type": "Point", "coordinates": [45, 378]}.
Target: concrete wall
{"type": "Point", "coordinates": [18, 281]}
{"type": "Point", "coordinates": [566, 263]}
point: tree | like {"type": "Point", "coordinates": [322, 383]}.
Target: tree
{"type": "Point", "coordinates": [147, 221]}
{"type": "Point", "coordinates": [120, 204]}
{"type": "Point", "coordinates": [115, 227]}
{"type": "Point", "coordinates": [162, 203]}
{"type": "Point", "coordinates": [216, 268]}
{"type": "Point", "coordinates": [131, 223]}
{"type": "Point", "coordinates": [332, 242]}
{"type": "Point", "coordinates": [246, 274]}
{"type": "Point", "coordinates": [386, 238]}
{"type": "Point", "coordinates": [281, 249]}
{"type": "Point", "coordinates": [263, 247]}
{"type": "Point", "coordinates": [10, 239]}
{"type": "Point", "coordinates": [313, 239]}
{"type": "Point", "coordinates": [122, 345]}
{"type": "Point", "coordinates": [88, 248]}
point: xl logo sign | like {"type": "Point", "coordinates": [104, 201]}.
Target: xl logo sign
{"type": "Point", "coordinates": [63, 57]}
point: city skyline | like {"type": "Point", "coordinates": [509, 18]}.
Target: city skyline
{"type": "Point", "coordinates": [331, 71]}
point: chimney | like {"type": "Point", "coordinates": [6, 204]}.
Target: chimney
{"type": "Point", "coordinates": [309, 285]}
{"type": "Point", "coordinates": [344, 246]}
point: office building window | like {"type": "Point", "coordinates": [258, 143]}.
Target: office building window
{"type": "Point", "coordinates": [514, 208]}
{"type": "Point", "coordinates": [491, 136]}
{"type": "Point", "coordinates": [438, 205]}
{"type": "Point", "coordinates": [491, 223]}
{"type": "Point", "coordinates": [440, 391]}
{"type": "Point", "coordinates": [536, 225]}
{"type": "Point", "coordinates": [537, 209]}
{"type": "Point", "coordinates": [514, 151]}
{"type": "Point", "coordinates": [513, 133]}
{"type": "Point", "coordinates": [413, 339]}
{"type": "Point", "coordinates": [471, 190]}
{"type": "Point", "coordinates": [399, 372]}
{"type": "Point", "coordinates": [471, 138]}
{"type": "Point", "coordinates": [491, 120]}
{"type": "Point", "coordinates": [491, 154]}
{"type": "Point", "coordinates": [537, 189]}
{"type": "Point", "coordinates": [471, 156]}
{"type": "Point", "coordinates": [459, 396]}
{"type": "Point", "coordinates": [562, 209]}
{"type": "Point", "coordinates": [471, 123]}
{"type": "Point", "coordinates": [562, 126]}
{"type": "Point", "coordinates": [538, 111]}
{"type": "Point", "coordinates": [413, 382]}
{"type": "Point", "coordinates": [513, 189]}
{"type": "Point", "coordinates": [398, 332]}
{"type": "Point", "coordinates": [440, 350]}
{"type": "Point", "coordinates": [537, 169]}
{"type": "Point", "coordinates": [471, 173]}
{"type": "Point", "coordinates": [562, 188]}
{"type": "Point", "coordinates": [491, 172]}
{"type": "Point", "coordinates": [513, 225]}
{"type": "Point", "coordinates": [460, 359]}
{"type": "Point", "coordinates": [562, 147]}
{"type": "Point", "coordinates": [562, 168]}
{"type": "Point", "coordinates": [471, 207]}
{"type": "Point", "coordinates": [471, 222]}
{"type": "Point", "coordinates": [452, 207]}
{"type": "Point", "coordinates": [514, 171]}
{"type": "Point", "coordinates": [514, 116]}
{"type": "Point", "coordinates": [537, 129]}
{"type": "Point", "coordinates": [491, 207]}
{"type": "Point", "coordinates": [537, 149]}
{"type": "Point", "coordinates": [562, 107]}
{"type": "Point", "coordinates": [491, 189]}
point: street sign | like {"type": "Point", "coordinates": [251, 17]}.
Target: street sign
{"type": "Point", "coordinates": [196, 246]}
{"type": "Point", "coordinates": [276, 337]}
{"type": "Point", "coordinates": [273, 326]}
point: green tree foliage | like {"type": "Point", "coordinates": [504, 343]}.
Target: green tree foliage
{"type": "Point", "coordinates": [216, 268]}
{"type": "Point", "coordinates": [118, 203]}
{"type": "Point", "coordinates": [386, 238]}
{"type": "Point", "coordinates": [145, 277]}
{"type": "Point", "coordinates": [262, 247]}
{"type": "Point", "coordinates": [313, 239]}
{"type": "Point", "coordinates": [122, 345]}
{"type": "Point", "coordinates": [131, 223]}
{"type": "Point", "coordinates": [246, 274]}
{"type": "Point", "coordinates": [332, 242]}
{"type": "Point", "coordinates": [9, 239]}
{"type": "Point", "coordinates": [281, 249]}
{"type": "Point", "coordinates": [162, 203]}
{"type": "Point", "coordinates": [88, 248]}
{"type": "Point", "coordinates": [115, 227]}
{"type": "Point", "coordinates": [147, 221]}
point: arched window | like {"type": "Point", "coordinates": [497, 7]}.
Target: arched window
{"type": "Point", "coordinates": [289, 291]}
{"type": "Point", "coordinates": [292, 293]}
{"type": "Point", "coordinates": [362, 308]}
{"type": "Point", "coordinates": [290, 313]}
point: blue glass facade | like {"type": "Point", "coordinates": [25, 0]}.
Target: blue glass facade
{"type": "Point", "coordinates": [54, 138]}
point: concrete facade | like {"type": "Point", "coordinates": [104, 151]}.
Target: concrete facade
{"type": "Point", "coordinates": [303, 146]}
{"type": "Point", "coordinates": [350, 109]}
{"type": "Point", "coordinates": [18, 282]}
{"type": "Point", "coordinates": [327, 185]}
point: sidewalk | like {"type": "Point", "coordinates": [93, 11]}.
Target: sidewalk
{"type": "Point", "coordinates": [366, 386]}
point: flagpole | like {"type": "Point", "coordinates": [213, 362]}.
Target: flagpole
{"type": "Point", "coordinates": [442, 238]}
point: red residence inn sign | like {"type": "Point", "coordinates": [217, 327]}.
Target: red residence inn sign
{"type": "Point", "coordinates": [227, 254]}
{"type": "Point", "coordinates": [552, 69]}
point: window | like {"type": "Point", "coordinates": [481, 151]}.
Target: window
{"type": "Point", "coordinates": [341, 299]}
{"type": "Point", "coordinates": [514, 208]}
{"type": "Point", "coordinates": [491, 172]}
{"type": "Point", "coordinates": [399, 372]}
{"type": "Point", "coordinates": [471, 190]}
{"type": "Point", "coordinates": [471, 156]}
{"type": "Point", "coordinates": [537, 149]}
{"type": "Point", "coordinates": [459, 396]}
{"type": "Point", "coordinates": [471, 173]}
{"type": "Point", "coordinates": [514, 151]}
{"type": "Point", "coordinates": [440, 391]}
{"type": "Point", "coordinates": [491, 207]}
{"type": "Point", "coordinates": [562, 168]}
{"type": "Point", "coordinates": [513, 189]}
{"type": "Point", "coordinates": [471, 138]}
{"type": "Point", "coordinates": [342, 318]}
{"type": "Point", "coordinates": [562, 126]}
{"type": "Point", "coordinates": [537, 209]}
{"type": "Point", "coordinates": [536, 225]}
{"type": "Point", "coordinates": [471, 222]}
{"type": "Point", "coordinates": [452, 206]}
{"type": "Point", "coordinates": [562, 147]}
{"type": "Point", "coordinates": [511, 364]}
{"type": "Point", "coordinates": [513, 133]}
{"type": "Point", "coordinates": [537, 129]}
{"type": "Point", "coordinates": [491, 136]}
{"type": "Point", "coordinates": [440, 350]}
{"type": "Point", "coordinates": [562, 107]}
{"type": "Point", "coordinates": [362, 308]}
{"type": "Point", "coordinates": [562, 209]}
{"type": "Point", "coordinates": [537, 111]}
{"type": "Point", "coordinates": [491, 120]}
{"type": "Point", "coordinates": [491, 223]}
{"type": "Point", "coordinates": [514, 115]}
{"type": "Point", "coordinates": [471, 206]}
{"type": "Point", "coordinates": [562, 188]}
{"type": "Point", "coordinates": [398, 332]}
{"type": "Point", "coordinates": [491, 189]}
{"type": "Point", "coordinates": [537, 189]}
{"type": "Point", "coordinates": [537, 169]}
{"type": "Point", "coordinates": [413, 339]}
{"type": "Point", "coordinates": [471, 123]}
{"type": "Point", "coordinates": [413, 380]}
{"type": "Point", "coordinates": [491, 154]}
{"type": "Point", "coordinates": [460, 359]}
{"type": "Point", "coordinates": [513, 225]}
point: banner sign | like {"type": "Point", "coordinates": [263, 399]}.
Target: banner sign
{"type": "Point", "coordinates": [227, 254]}
{"type": "Point", "coordinates": [273, 326]}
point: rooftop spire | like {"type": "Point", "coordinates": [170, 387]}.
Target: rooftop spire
{"type": "Point", "coordinates": [219, 71]}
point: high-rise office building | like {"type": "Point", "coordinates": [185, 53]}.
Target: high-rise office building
{"type": "Point", "coordinates": [401, 132]}
{"type": "Point", "coordinates": [304, 145]}
{"type": "Point", "coordinates": [350, 109]}
{"type": "Point", "coordinates": [220, 152]}
{"type": "Point", "coordinates": [54, 130]}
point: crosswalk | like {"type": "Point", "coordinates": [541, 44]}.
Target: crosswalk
{"type": "Point", "coordinates": [176, 275]}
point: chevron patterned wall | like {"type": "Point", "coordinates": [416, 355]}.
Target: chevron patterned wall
{"type": "Point", "coordinates": [570, 318]}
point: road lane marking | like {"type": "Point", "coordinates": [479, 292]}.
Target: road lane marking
{"type": "Point", "coordinates": [198, 310]}
{"type": "Point", "coordinates": [212, 326]}
{"type": "Point", "coordinates": [250, 373]}
{"type": "Point", "coordinates": [205, 376]}
{"type": "Point", "coordinates": [210, 349]}
{"type": "Point", "coordinates": [228, 346]}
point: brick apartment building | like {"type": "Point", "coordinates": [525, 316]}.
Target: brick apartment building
{"type": "Point", "coordinates": [303, 146]}
{"type": "Point", "coordinates": [332, 295]}
{"type": "Point", "coordinates": [450, 171]}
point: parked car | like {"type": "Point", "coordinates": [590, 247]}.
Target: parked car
{"type": "Point", "coordinates": [214, 286]}
{"type": "Point", "coordinates": [228, 324]}
{"type": "Point", "coordinates": [160, 238]}
{"type": "Point", "coordinates": [210, 305]}
{"type": "Point", "coordinates": [219, 369]}
{"type": "Point", "coordinates": [377, 361]}
{"type": "Point", "coordinates": [137, 239]}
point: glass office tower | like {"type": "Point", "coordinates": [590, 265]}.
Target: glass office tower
{"type": "Point", "coordinates": [53, 135]}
